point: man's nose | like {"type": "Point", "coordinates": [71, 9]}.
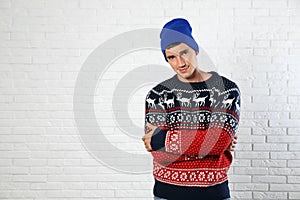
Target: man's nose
{"type": "Point", "coordinates": [181, 61]}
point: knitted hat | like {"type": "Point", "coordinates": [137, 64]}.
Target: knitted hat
{"type": "Point", "coordinates": [177, 30]}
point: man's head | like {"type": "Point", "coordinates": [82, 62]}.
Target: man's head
{"type": "Point", "coordinates": [179, 47]}
{"type": "Point", "coordinates": [177, 31]}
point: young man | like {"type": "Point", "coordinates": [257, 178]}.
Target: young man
{"type": "Point", "coordinates": [190, 124]}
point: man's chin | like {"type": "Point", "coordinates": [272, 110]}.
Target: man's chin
{"type": "Point", "coordinates": [184, 76]}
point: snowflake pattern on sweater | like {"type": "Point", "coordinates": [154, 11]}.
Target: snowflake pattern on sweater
{"type": "Point", "coordinates": [197, 122]}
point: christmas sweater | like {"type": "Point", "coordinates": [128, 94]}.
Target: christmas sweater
{"type": "Point", "coordinates": [196, 123]}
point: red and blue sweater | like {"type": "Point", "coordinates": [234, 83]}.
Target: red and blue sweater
{"type": "Point", "coordinates": [197, 121]}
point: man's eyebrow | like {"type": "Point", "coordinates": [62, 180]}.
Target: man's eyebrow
{"type": "Point", "coordinates": [184, 51]}
{"type": "Point", "coordinates": [171, 56]}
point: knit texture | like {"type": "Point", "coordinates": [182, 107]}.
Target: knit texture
{"type": "Point", "coordinates": [197, 122]}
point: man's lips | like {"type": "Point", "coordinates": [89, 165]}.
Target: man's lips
{"type": "Point", "coordinates": [183, 69]}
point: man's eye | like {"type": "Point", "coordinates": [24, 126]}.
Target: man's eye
{"type": "Point", "coordinates": [184, 53]}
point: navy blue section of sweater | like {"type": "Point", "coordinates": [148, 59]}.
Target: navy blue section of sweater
{"type": "Point", "coordinates": [174, 192]}
{"type": "Point", "coordinates": [158, 139]}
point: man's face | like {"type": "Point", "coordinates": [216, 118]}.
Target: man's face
{"type": "Point", "coordinates": [183, 60]}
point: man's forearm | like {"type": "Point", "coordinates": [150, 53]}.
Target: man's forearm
{"type": "Point", "coordinates": [158, 139]}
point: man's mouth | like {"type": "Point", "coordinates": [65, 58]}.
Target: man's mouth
{"type": "Point", "coordinates": [183, 69]}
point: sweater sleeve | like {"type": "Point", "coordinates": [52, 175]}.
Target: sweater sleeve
{"type": "Point", "coordinates": [156, 115]}
{"type": "Point", "coordinates": [213, 140]}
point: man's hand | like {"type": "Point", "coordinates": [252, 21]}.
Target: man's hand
{"type": "Point", "coordinates": [148, 135]}
{"type": "Point", "coordinates": [232, 145]}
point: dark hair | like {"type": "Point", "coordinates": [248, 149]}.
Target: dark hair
{"type": "Point", "coordinates": [173, 45]}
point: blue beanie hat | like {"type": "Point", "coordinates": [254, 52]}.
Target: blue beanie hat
{"type": "Point", "coordinates": [177, 30]}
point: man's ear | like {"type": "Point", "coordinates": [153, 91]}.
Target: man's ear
{"type": "Point", "coordinates": [197, 52]}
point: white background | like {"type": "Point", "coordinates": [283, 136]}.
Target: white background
{"type": "Point", "coordinates": [43, 44]}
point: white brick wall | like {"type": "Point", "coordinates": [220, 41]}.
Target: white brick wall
{"type": "Point", "coordinates": [44, 44]}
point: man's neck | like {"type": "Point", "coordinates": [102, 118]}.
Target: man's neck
{"type": "Point", "coordinates": [198, 76]}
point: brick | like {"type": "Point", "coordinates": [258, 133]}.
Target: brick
{"type": "Point", "coordinates": [241, 195]}
{"type": "Point", "coordinates": [95, 4]}
{"type": "Point", "coordinates": [28, 131]}
{"type": "Point", "coordinates": [265, 3]}
{"type": "Point", "coordinates": [280, 44]}
{"type": "Point", "coordinates": [271, 99]}
{"type": "Point", "coordinates": [284, 187]}
{"type": "Point", "coordinates": [293, 163]}
{"type": "Point", "coordinates": [269, 163]}
{"type": "Point", "coordinates": [23, 194]}
{"type": "Point", "coordinates": [244, 131]}
{"type": "Point", "coordinates": [133, 193]}
{"type": "Point", "coordinates": [244, 147]}
{"type": "Point", "coordinates": [239, 179]}
{"type": "Point", "coordinates": [234, 3]}
{"type": "Point", "coordinates": [293, 4]}
{"type": "Point", "coordinates": [294, 147]}
{"type": "Point", "coordinates": [7, 99]}
{"type": "Point", "coordinates": [293, 179]}
{"type": "Point", "coordinates": [29, 178]}
{"type": "Point", "coordinates": [86, 185]}
{"type": "Point", "coordinates": [241, 163]}
{"type": "Point", "coordinates": [13, 138]}
{"type": "Point", "coordinates": [65, 193]}
{"type": "Point", "coordinates": [44, 75]}
{"type": "Point", "coordinates": [5, 162]}
{"type": "Point", "coordinates": [295, 19]}
{"type": "Point", "coordinates": [293, 83]}
{"type": "Point", "coordinates": [15, 154]}
{"type": "Point", "coordinates": [293, 99]}
{"type": "Point", "coordinates": [125, 185]}
{"type": "Point", "coordinates": [5, 4]}
{"type": "Point", "coordinates": [271, 20]}
{"type": "Point", "coordinates": [27, 36]}
{"type": "Point", "coordinates": [269, 179]}
{"type": "Point", "coordinates": [280, 123]}
{"type": "Point", "coordinates": [80, 170]}
{"type": "Point", "coordinates": [272, 115]}
{"type": "Point", "coordinates": [294, 36]}
{"type": "Point", "coordinates": [270, 195]}
{"type": "Point", "coordinates": [251, 139]}
{"type": "Point", "coordinates": [251, 12]}
{"type": "Point", "coordinates": [5, 36]}
{"type": "Point", "coordinates": [46, 186]}
{"type": "Point", "coordinates": [203, 4]}
{"type": "Point", "coordinates": [251, 123]}
{"type": "Point", "coordinates": [270, 147]}
{"type": "Point", "coordinates": [251, 170]}
{"type": "Point", "coordinates": [294, 11]}
{"type": "Point", "coordinates": [279, 107]}
{"type": "Point", "coordinates": [284, 171]}
{"type": "Point", "coordinates": [32, 4]}
{"type": "Point", "coordinates": [252, 155]}
{"type": "Point", "coordinates": [30, 98]}
{"type": "Point", "coordinates": [251, 187]}
{"type": "Point", "coordinates": [283, 139]}
{"type": "Point", "coordinates": [285, 155]}
{"type": "Point", "coordinates": [293, 91]}
{"type": "Point", "coordinates": [18, 60]}
{"type": "Point", "coordinates": [256, 107]}
{"type": "Point", "coordinates": [280, 12]}
{"type": "Point", "coordinates": [270, 52]}
{"type": "Point", "coordinates": [14, 170]}
{"type": "Point", "coordinates": [294, 195]}
{"type": "Point", "coordinates": [252, 44]}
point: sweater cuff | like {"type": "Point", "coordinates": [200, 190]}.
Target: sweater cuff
{"type": "Point", "coordinates": [158, 139]}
